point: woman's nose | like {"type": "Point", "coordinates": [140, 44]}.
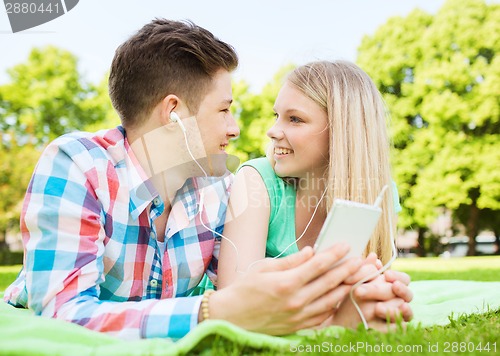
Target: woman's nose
{"type": "Point", "coordinates": [275, 132]}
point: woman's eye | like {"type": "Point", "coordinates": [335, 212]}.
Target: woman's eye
{"type": "Point", "coordinates": [295, 119]}
{"type": "Point", "coordinates": [275, 116]}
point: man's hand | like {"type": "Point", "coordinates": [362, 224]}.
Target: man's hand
{"type": "Point", "coordinates": [284, 295]}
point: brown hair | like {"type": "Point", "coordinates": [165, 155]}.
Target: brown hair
{"type": "Point", "coordinates": [165, 57]}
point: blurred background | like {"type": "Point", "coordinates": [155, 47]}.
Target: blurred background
{"type": "Point", "coordinates": [435, 62]}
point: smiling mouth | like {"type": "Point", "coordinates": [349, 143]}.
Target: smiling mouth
{"type": "Point", "coordinates": [222, 147]}
{"type": "Point", "coordinates": [282, 151]}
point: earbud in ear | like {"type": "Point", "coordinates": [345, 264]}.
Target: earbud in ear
{"type": "Point", "coordinates": [174, 117]}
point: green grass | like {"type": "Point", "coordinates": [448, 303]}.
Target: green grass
{"type": "Point", "coordinates": [467, 335]}
{"type": "Point", "coordinates": [485, 268]}
{"type": "Point", "coordinates": [474, 334]}
{"type": "Point", "coordinates": [7, 275]}
{"type": "Point", "coordinates": [463, 334]}
{"type": "Point", "coordinates": [480, 332]}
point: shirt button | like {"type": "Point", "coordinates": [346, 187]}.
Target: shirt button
{"type": "Point", "coordinates": [152, 235]}
{"type": "Point", "coordinates": [153, 283]}
{"type": "Point", "coordinates": [156, 201]}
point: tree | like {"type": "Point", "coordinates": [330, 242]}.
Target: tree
{"type": "Point", "coordinates": [440, 77]}
{"type": "Point", "coordinates": [46, 97]}
{"type": "Point", "coordinates": [100, 104]}
{"type": "Point", "coordinates": [16, 166]}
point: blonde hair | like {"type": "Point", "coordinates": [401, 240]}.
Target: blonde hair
{"type": "Point", "coordinates": [359, 163]}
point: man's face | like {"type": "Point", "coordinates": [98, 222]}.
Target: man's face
{"type": "Point", "coordinates": [166, 156]}
{"type": "Point", "coordinates": [215, 121]}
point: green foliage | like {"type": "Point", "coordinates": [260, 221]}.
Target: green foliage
{"type": "Point", "coordinates": [101, 103]}
{"type": "Point", "coordinates": [45, 98]}
{"type": "Point", "coordinates": [9, 258]}
{"type": "Point", "coordinates": [16, 167]}
{"type": "Point", "coordinates": [440, 77]}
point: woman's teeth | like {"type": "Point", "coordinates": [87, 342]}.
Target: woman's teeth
{"type": "Point", "coordinates": [282, 151]}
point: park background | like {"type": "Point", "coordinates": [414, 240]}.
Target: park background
{"type": "Point", "coordinates": [436, 64]}
{"type": "Point", "coordinates": [438, 70]}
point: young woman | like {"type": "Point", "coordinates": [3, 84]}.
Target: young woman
{"type": "Point", "coordinates": [329, 141]}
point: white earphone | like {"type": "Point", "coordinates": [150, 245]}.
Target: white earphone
{"type": "Point", "coordinates": [175, 118]}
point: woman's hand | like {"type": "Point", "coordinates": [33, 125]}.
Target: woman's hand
{"type": "Point", "coordinates": [369, 267]}
{"type": "Point", "coordinates": [386, 297]}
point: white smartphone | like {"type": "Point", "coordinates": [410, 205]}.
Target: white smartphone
{"type": "Point", "coordinates": [351, 222]}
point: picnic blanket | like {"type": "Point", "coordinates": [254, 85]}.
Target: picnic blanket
{"type": "Point", "coordinates": [23, 333]}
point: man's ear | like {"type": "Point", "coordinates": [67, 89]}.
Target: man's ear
{"type": "Point", "coordinates": [167, 105]}
{"type": "Point", "coordinates": [172, 103]}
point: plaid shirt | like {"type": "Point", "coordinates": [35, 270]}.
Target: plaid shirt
{"type": "Point", "coordinates": [91, 254]}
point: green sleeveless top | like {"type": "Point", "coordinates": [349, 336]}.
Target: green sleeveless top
{"type": "Point", "coordinates": [281, 230]}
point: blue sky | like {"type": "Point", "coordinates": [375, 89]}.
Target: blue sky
{"type": "Point", "coordinates": [267, 34]}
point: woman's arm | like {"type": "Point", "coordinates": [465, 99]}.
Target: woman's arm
{"type": "Point", "coordinates": [246, 226]}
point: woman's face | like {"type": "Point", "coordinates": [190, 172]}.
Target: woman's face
{"type": "Point", "coordinates": [299, 136]}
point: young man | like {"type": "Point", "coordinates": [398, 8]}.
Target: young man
{"type": "Point", "coordinates": [117, 232]}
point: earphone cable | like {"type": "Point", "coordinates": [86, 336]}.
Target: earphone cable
{"type": "Point", "coordinates": [202, 198]}
{"type": "Point", "coordinates": [356, 285]}
{"type": "Point", "coordinates": [381, 270]}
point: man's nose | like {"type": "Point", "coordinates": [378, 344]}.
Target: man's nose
{"type": "Point", "coordinates": [233, 129]}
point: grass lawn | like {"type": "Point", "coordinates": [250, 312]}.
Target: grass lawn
{"type": "Point", "coordinates": [475, 334]}
{"type": "Point", "coordinates": [484, 268]}
{"type": "Point", "coordinates": [7, 275]}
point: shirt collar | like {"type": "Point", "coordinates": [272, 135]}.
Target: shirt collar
{"type": "Point", "coordinates": [141, 190]}
{"type": "Point", "coordinates": [186, 205]}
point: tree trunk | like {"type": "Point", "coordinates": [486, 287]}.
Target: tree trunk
{"type": "Point", "coordinates": [421, 242]}
{"type": "Point", "coordinates": [497, 242]}
{"type": "Point", "coordinates": [472, 228]}
{"type": "Point", "coordinates": [3, 242]}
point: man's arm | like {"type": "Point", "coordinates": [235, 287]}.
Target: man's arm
{"type": "Point", "coordinates": [63, 232]}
